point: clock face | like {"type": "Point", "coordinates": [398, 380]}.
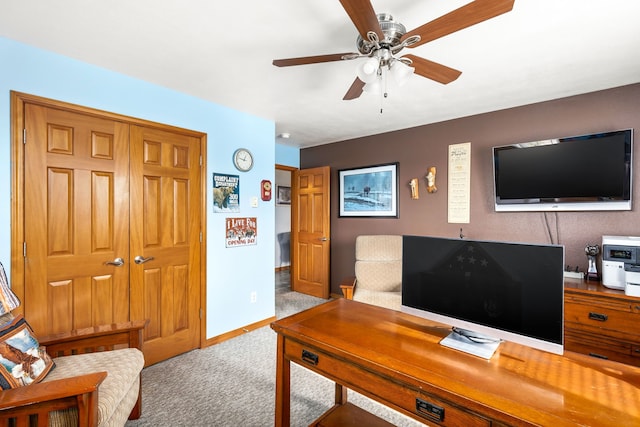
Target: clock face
{"type": "Point", "coordinates": [243, 159]}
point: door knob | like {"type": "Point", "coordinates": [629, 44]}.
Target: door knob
{"type": "Point", "coordinates": [117, 262]}
{"type": "Point", "coordinates": [324, 239]}
{"type": "Point", "coordinates": [141, 260]}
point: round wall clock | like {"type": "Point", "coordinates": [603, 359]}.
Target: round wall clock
{"type": "Point", "coordinates": [243, 159]}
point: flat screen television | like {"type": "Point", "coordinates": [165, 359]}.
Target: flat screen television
{"type": "Point", "coordinates": [487, 290]}
{"type": "Point", "coordinates": [581, 173]}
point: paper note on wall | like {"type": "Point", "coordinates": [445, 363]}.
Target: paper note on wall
{"type": "Point", "coordinates": [459, 183]}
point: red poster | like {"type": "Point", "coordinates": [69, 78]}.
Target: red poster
{"type": "Point", "coordinates": [241, 232]}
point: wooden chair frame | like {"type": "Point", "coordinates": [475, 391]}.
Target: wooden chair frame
{"type": "Point", "coordinates": [30, 405]}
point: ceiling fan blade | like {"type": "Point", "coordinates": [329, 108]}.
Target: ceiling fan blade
{"type": "Point", "coordinates": [313, 59]}
{"type": "Point", "coordinates": [433, 70]}
{"type": "Point", "coordinates": [463, 17]}
{"type": "Point", "coordinates": [363, 16]}
{"type": "Point", "coordinates": [355, 90]}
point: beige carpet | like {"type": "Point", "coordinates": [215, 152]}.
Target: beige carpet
{"type": "Point", "coordinates": [233, 383]}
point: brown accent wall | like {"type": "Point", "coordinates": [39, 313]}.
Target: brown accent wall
{"type": "Point", "coordinates": [418, 148]}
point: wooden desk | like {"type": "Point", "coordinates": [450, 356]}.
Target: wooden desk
{"type": "Point", "coordinates": [396, 359]}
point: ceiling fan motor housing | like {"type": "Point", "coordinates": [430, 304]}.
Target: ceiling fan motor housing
{"type": "Point", "coordinates": [392, 31]}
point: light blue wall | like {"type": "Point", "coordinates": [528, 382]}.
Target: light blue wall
{"type": "Point", "coordinates": [287, 156]}
{"type": "Point", "coordinates": [232, 274]}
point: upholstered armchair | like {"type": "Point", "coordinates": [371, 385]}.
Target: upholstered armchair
{"type": "Point", "coordinates": [89, 377]}
{"type": "Point", "coordinates": [378, 271]}
{"type": "Point", "coordinates": [95, 381]}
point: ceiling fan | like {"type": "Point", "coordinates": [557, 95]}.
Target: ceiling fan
{"type": "Point", "coordinates": [381, 39]}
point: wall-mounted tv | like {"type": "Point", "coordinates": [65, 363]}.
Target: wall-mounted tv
{"type": "Point", "coordinates": [488, 291]}
{"type": "Point", "coordinates": [581, 173]}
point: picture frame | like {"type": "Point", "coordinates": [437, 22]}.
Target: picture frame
{"type": "Point", "coordinates": [370, 191]}
{"type": "Point", "coordinates": [283, 195]}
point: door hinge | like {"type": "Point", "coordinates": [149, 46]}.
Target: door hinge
{"type": "Point", "coordinates": [201, 313]}
{"type": "Point", "coordinates": [24, 249]}
{"type": "Point", "coordinates": [24, 136]}
{"type": "Point", "coordinates": [201, 237]}
{"type": "Point", "coordinates": [200, 160]}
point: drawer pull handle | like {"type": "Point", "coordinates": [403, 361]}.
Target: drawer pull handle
{"type": "Point", "coordinates": [599, 356]}
{"type": "Point", "coordinates": [309, 357]}
{"type": "Point", "coordinates": [597, 316]}
{"type": "Point", "coordinates": [429, 410]}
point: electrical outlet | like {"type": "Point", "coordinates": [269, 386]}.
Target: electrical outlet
{"type": "Point", "coordinates": [254, 296]}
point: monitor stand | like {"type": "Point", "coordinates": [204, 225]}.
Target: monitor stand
{"type": "Point", "coordinates": [471, 342]}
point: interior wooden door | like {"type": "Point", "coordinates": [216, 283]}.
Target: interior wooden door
{"type": "Point", "coordinates": [310, 232]}
{"type": "Point", "coordinates": [76, 220]}
{"type": "Point", "coordinates": [165, 240]}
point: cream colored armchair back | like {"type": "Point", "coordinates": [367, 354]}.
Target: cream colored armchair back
{"type": "Point", "coordinates": [378, 270]}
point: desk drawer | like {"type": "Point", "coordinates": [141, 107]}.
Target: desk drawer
{"type": "Point", "coordinates": [598, 317]}
{"type": "Point", "coordinates": [602, 347]}
{"type": "Point", "coordinates": [390, 392]}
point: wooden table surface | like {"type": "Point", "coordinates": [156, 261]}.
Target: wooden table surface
{"type": "Point", "coordinates": [519, 385]}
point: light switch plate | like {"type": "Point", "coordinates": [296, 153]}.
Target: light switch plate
{"type": "Point", "coordinates": [254, 202]}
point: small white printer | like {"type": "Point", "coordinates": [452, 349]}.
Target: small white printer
{"type": "Point", "coordinates": [621, 263]}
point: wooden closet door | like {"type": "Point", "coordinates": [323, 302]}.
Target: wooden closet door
{"type": "Point", "coordinates": [76, 220]}
{"type": "Point", "coordinates": [166, 240]}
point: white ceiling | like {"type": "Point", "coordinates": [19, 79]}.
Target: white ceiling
{"type": "Point", "coordinates": [221, 51]}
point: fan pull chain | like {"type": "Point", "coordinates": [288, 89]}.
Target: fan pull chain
{"type": "Point", "coordinates": [383, 92]}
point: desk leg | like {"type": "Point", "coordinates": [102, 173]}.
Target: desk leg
{"type": "Point", "coordinates": [283, 387]}
{"type": "Point", "coordinates": [341, 394]}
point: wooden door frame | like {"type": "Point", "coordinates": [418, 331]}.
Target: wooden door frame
{"type": "Point", "coordinates": [291, 170]}
{"type": "Point", "coordinates": [18, 101]}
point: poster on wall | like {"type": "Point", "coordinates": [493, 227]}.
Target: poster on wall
{"type": "Point", "coordinates": [226, 193]}
{"type": "Point", "coordinates": [459, 181]}
{"type": "Point", "coordinates": [241, 232]}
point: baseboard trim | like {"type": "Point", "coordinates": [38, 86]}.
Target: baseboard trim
{"type": "Point", "coordinates": [286, 267]}
{"type": "Point", "coordinates": [237, 332]}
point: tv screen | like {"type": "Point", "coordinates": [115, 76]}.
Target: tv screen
{"type": "Point", "coordinates": [589, 172]}
{"type": "Point", "coordinates": [511, 291]}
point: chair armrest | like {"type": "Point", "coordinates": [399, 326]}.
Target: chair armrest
{"type": "Point", "coordinates": [20, 404]}
{"type": "Point", "coordinates": [97, 338]}
{"type": "Point", "coordinates": [348, 286]}
{"type": "Point", "coordinates": [51, 390]}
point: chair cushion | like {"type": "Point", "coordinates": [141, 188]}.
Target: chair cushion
{"type": "Point", "coordinates": [114, 395]}
{"type": "Point", "coordinates": [378, 270]}
{"type": "Point", "coordinates": [379, 263]}
{"type": "Point", "coordinates": [379, 248]}
{"type": "Point", "coordinates": [392, 300]}
{"type": "Point", "coordinates": [22, 360]}
{"type": "Point", "coordinates": [379, 276]}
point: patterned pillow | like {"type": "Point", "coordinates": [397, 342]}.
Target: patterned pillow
{"type": "Point", "coordinates": [22, 360]}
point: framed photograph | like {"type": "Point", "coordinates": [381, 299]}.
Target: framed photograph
{"type": "Point", "coordinates": [283, 195]}
{"type": "Point", "coordinates": [369, 192]}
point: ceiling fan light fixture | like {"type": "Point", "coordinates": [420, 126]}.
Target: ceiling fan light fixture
{"type": "Point", "coordinates": [401, 72]}
{"type": "Point", "coordinates": [368, 70]}
{"type": "Point", "coordinates": [374, 86]}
